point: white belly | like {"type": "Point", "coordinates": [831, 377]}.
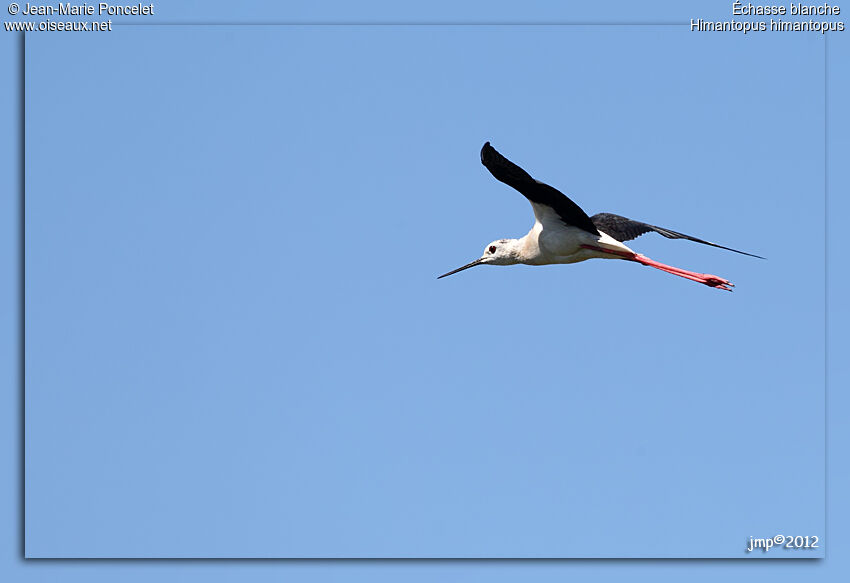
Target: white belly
{"type": "Point", "coordinates": [564, 245]}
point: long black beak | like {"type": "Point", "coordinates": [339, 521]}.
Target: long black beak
{"type": "Point", "coordinates": [467, 266]}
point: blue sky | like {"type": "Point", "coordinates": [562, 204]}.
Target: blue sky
{"type": "Point", "coordinates": [237, 347]}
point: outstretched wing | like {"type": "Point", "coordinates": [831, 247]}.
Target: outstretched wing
{"type": "Point", "coordinates": [623, 229]}
{"type": "Point", "coordinates": [535, 191]}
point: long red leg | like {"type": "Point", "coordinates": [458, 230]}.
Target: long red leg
{"type": "Point", "coordinates": [703, 278]}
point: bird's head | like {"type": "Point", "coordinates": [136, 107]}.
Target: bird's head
{"type": "Point", "coordinates": [499, 252]}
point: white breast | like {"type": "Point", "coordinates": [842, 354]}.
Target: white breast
{"type": "Point", "coordinates": [551, 241]}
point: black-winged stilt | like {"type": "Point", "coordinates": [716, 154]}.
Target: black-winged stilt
{"type": "Point", "coordinates": [563, 233]}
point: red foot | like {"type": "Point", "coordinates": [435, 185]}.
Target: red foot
{"type": "Point", "coordinates": [703, 278]}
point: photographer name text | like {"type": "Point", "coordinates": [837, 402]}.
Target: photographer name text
{"type": "Point", "coordinates": [85, 9]}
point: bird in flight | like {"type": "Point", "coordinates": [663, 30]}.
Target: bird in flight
{"type": "Point", "coordinates": [563, 233]}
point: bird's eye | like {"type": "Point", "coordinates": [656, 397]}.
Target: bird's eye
{"type": "Point", "coordinates": [492, 249]}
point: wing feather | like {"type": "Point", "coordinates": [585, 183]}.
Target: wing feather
{"type": "Point", "coordinates": [535, 191]}
{"type": "Point", "coordinates": [623, 229]}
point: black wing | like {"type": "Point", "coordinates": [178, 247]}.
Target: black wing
{"type": "Point", "coordinates": [623, 229]}
{"type": "Point", "coordinates": [506, 171]}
